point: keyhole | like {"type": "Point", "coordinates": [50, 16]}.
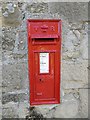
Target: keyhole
{"type": "Point", "coordinates": [41, 80]}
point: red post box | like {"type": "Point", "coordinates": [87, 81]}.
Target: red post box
{"type": "Point", "coordinates": [44, 55]}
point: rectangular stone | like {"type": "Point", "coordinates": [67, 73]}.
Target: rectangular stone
{"type": "Point", "coordinates": [72, 84]}
{"type": "Point", "coordinates": [75, 72]}
{"type": "Point", "coordinates": [10, 110]}
{"type": "Point", "coordinates": [14, 76]}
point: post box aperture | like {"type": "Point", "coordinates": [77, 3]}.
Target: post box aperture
{"type": "Point", "coordinates": [44, 59]}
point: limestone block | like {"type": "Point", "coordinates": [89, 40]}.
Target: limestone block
{"type": "Point", "coordinates": [20, 43]}
{"type": "Point", "coordinates": [0, 92]}
{"type": "Point", "coordinates": [37, 7]}
{"type": "Point", "coordinates": [23, 109]}
{"type": "Point", "coordinates": [8, 38]}
{"type": "Point", "coordinates": [84, 103]}
{"type": "Point", "coordinates": [71, 44]}
{"type": "Point", "coordinates": [68, 97]}
{"type": "Point", "coordinates": [84, 47]}
{"type": "Point", "coordinates": [0, 74]}
{"type": "Point", "coordinates": [15, 96]}
{"type": "Point", "coordinates": [0, 19]}
{"type": "Point", "coordinates": [11, 15]}
{"type": "Point", "coordinates": [76, 26]}
{"type": "Point", "coordinates": [70, 55]}
{"type": "Point", "coordinates": [68, 108]}
{"type": "Point", "coordinates": [69, 41]}
{"type": "Point", "coordinates": [15, 40]}
{"type": "Point", "coordinates": [74, 75]}
{"type": "Point", "coordinates": [14, 76]}
{"type": "Point", "coordinates": [72, 84]}
{"type": "Point", "coordinates": [10, 110]}
{"type": "Point", "coordinates": [70, 10]}
{"type": "Point", "coordinates": [0, 113]}
{"type": "Point", "coordinates": [0, 104]}
{"type": "Point", "coordinates": [75, 92]}
{"type": "Point", "coordinates": [8, 58]}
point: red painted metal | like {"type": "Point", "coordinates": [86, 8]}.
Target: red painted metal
{"type": "Point", "coordinates": [44, 40]}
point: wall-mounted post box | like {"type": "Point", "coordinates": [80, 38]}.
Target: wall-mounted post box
{"type": "Point", "coordinates": [44, 54]}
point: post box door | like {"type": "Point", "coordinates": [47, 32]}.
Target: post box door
{"type": "Point", "coordinates": [44, 76]}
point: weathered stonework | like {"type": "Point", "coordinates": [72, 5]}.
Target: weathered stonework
{"type": "Point", "coordinates": [11, 15]}
{"type": "Point", "coordinates": [84, 103]}
{"type": "Point", "coordinates": [74, 64]}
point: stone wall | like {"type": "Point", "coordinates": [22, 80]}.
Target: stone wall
{"type": "Point", "coordinates": [74, 65]}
